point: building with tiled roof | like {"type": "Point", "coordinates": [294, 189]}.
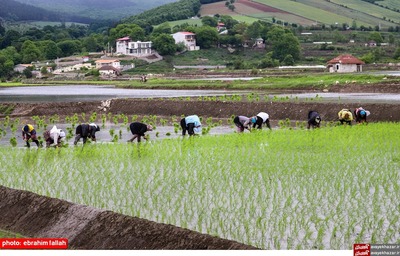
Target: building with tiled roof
{"type": "Point", "coordinates": [345, 63]}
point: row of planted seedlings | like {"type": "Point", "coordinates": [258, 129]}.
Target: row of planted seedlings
{"type": "Point", "coordinates": [251, 97]}
{"type": "Point", "coordinates": [288, 189]}
{"type": "Point", "coordinates": [120, 124]}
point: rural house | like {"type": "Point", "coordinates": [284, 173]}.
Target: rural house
{"type": "Point", "coordinates": [109, 71]}
{"type": "Point", "coordinates": [21, 67]}
{"type": "Point", "coordinates": [108, 62]}
{"type": "Point", "coordinates": [126, 46]}
{"type": "Point", "coordinates": [344, 64]}
{"type": "Point", "coordinates": [188, 39]}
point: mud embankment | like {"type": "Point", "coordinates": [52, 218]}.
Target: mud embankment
{"type": "Point", "coordinates": [215, 109]}
{"type": "Point", "coordinates": [85, 227]}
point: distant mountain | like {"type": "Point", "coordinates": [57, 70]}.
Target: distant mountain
{"type": "Point", "coordinates": [98, 9]}
{"type": "Point", "coordinates": [16, 11]}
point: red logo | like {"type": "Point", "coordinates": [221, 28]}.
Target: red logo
{"type": "Point", "coordinates": [361, 250]}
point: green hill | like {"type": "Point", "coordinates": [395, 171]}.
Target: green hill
{"type": "Point", "coordinates": [315, 12]}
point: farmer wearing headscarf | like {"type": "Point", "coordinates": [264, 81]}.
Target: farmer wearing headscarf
{"type": "Point", "coordinates": [138, 130]}
{"type": "Point", "coordinates": [54, 136]}
{"type": "Point", "coordinates": [84, 131]}
{"type": "Point", "coordinates": [29, 132]}
{"type": "Point", "coordinates": [259, 119]}
{"type": "Point", "coordinates": [239, 121]}
{"type": "Point", "coordinates": [345, 116]}
{"type": "Point", "coordinates": [314, 119]}
{"type": "Point", "coordinates": [191, 124]}
{"type": "Point", "coordinates": [361, 115]}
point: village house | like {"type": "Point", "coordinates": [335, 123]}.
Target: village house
{"type": "Point", "coordinates": [21, 67]}
{"type": "Point", "coordinates": [126, 46]}
{"type": "Point", "coordinates": [109, 71]}
{"type": "Point", "coordinates": [188, 39]}
{"type": "Point", "coordinates": [345, 64]}
{"type": "Point", "coordinates": [108, 62]}
{"type": "Point", "coordinates": [259, 43]}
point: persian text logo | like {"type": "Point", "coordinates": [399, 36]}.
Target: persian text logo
{"type": "Point", "coordinates": [361, 250]}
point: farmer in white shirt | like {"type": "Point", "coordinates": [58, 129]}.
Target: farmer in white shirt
{"type": "Point", "coordinates": [54, 136]}
{"type": "Point", "coordinates": [259, 119]}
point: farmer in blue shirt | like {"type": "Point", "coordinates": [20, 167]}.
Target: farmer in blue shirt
{"type": "Point", "coordinates": [191, 124]}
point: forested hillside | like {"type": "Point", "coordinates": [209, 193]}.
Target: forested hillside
{"type": "Point", "coordinates": [98, 9]}
{"type": "Point", "coordinates": [182, 9]}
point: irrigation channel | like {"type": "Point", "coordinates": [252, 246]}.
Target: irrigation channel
{"type": "Point", "coordinates": [76, 93]}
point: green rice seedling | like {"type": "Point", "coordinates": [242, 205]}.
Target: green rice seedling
{"type": "Point", "coordinates": [112, 133]}
{"type": "Point", "coordinates": [163, 121]}
{"type": "Point", "coordinates": [54, 119]}
{"type": "Point", "coordinates": [83, 117]}
{"type": "Point", "coordinates": [134, 118]}
{"type": "Point", "coordinates": [302, 190]}
{"type": "Point", "coordinates": [75, 120]}
{"type": "Point", "coordinates": [116, 119]}
{"type": "Point", "coordinates": [93, 117]}
{"type": "Point", "coordinates": [103, 120]}
{"type": "Point", "coordinates": [13, 141]}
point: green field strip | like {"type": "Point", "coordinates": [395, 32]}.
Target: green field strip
{"type": "Point", "coordinates": [393, 4]}
{"type": "Point", "coordinates": [370, 9]}
{"type": "Point", "coordinates": [307, 11]}
{"type": "Point", "coordinates": [360, 17]}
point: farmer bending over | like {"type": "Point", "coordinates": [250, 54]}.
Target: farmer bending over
{"type": "Point", "coordinates": [361, 115]}
{"type": "Point", "coordinates": [84, 131]}
{"type": "Point", "coordinates": [345, 116]}
{"type": "Point", "coordinates": [54, 136]}
{"type": "Point", "coordinates": [28, 132]}
{"type": "Point", "coordinates": [138, 130]}
{"type": "Point", "coordinates": [239, 121]}
{"type": "Point", "coordinates": [191, 124]}
{"type": "Point", "coordinates": [314, 119]}
{"type": "Point", "coordinates": [259, 119]}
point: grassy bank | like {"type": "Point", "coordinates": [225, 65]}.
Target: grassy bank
{"type": "Point", "coordinates": [285, 189]}
{"type": "Point", "coordinates": [266, 81]}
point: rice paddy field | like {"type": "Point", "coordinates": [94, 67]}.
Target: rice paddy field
{"type": "Point", "coordinates": [289, 188]}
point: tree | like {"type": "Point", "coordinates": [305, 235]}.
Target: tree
{"type": "Point", "coordinates": [397, 53]}
{"type": "Point", "coordinates": [10, 37]}
{"type": "Point", "coordinates": [30, 52]}
{"type": "Point", "coordinates": [163, 28]}
{"type": "Point", "coordinates": [209, 21]}
{"type": "Point", "coordinates": [123, 30]}
{"type": "Point", "coordinates": [283, 43]}
{"type": "Point", "coordinates": [164, 44]}
{"type": "Point", "coordinates": [206, 37]}
{"type": "Point", "coordinates": [376, 36]}
{"type": "Point", "coordinates": [69, 47]}
{"type": "Point", "coordinates": [49, 49]}
{"type": "Point", "coordinates": [27, 73]}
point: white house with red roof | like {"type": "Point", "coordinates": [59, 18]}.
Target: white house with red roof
{"type": "Point", "coordinates": [188, 39]}
{"type": "Point", "coordinates": [345, 63]}
{"type": "Point", "coordinates": [128, 47]}
{"type": "Point", "coordinates": [108, 63]}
